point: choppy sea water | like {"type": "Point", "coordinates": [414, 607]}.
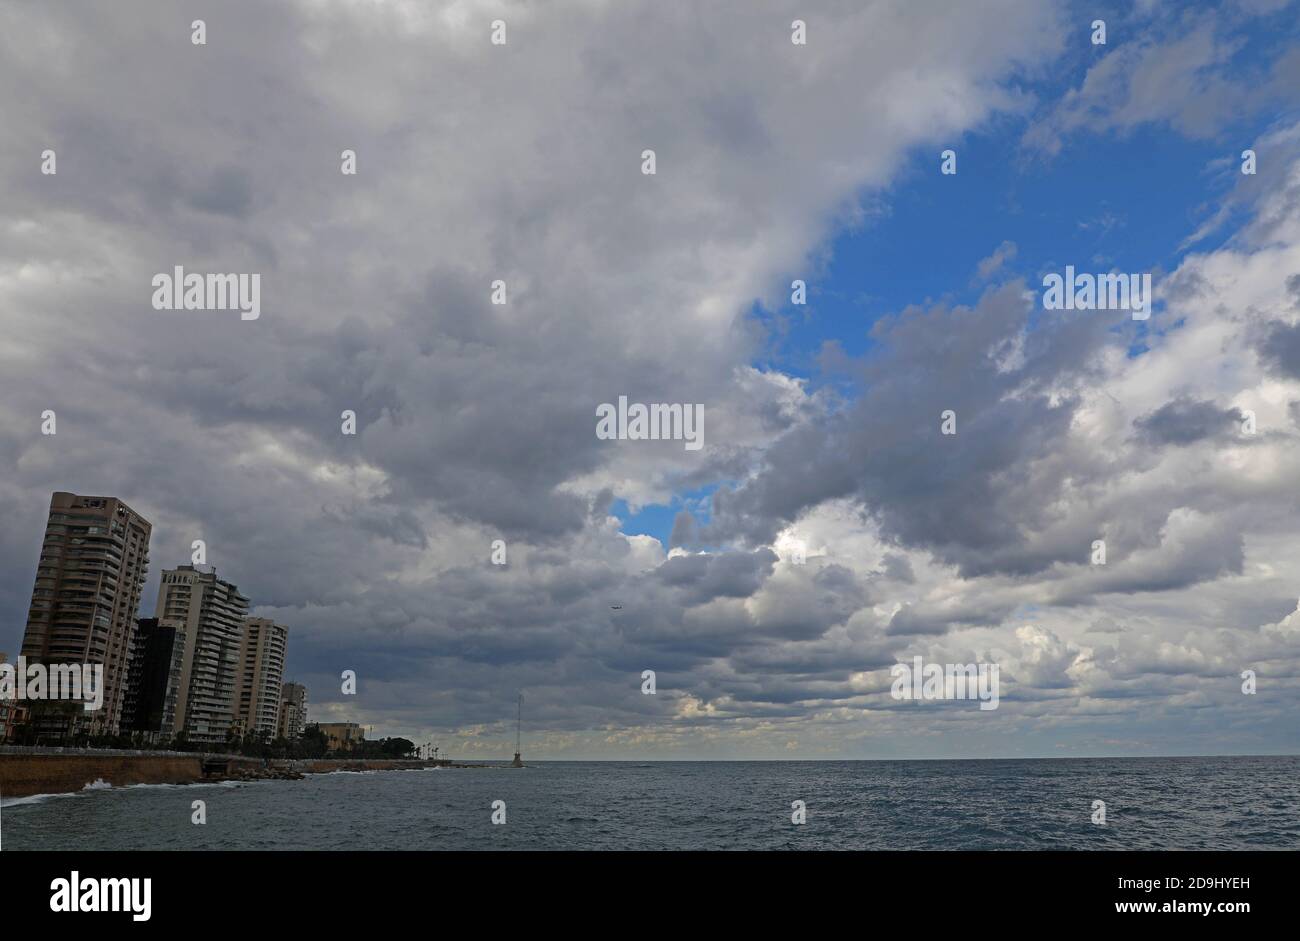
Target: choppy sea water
{"type": "Point", "coordinates": [1151, 803]}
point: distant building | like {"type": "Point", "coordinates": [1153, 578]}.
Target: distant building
{"type": "Point", "coordinates": [293, 711]}
{"type": "Point", "coordinates": [6, 713]}
{"type": "Point", "coordinates": [12, 714]}
{"type": "Point", "coordinates": [154, 679]}
{"type": "Point", "coordinates": [260, 677]}
{"type": "Point", "coordinates": [92, 567]}
{"type": "Point", "coordinates": [212, 613]}
{"type": "Point", "coordinates": [342, 735]}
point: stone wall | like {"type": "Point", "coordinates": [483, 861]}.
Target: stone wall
{"type": "Point", "coordinates": [23, 775]}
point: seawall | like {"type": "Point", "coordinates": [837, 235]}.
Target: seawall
{"type": "Point", "coordinates": [24, 775]}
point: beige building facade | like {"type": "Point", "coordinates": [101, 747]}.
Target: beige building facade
{"type": "Point", "coordinates": [92, 568]}
{"type": "Point", "coordinates": [211, 612]}
{"type": "Point", "coordinates": [342, 735]}
{"type": "Point", "coordinates": [259, 682]}
{"type": "Point", "coordinates": [293, 711]}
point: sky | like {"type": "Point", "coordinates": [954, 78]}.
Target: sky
{"type": "Point", "coordinates": [827, 529]}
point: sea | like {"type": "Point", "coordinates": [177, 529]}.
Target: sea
{"type": "Point", "coordinates": [1023, 804]}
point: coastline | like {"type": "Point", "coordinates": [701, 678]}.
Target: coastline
{"type": "Point", "coordinates": [40, 773]}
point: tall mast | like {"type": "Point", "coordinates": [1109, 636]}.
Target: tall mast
{"type": "Point", "coordinates": [519, 723]}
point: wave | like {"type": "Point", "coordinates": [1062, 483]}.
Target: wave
{"type": "Point", "coordinates": [31, 799]}
{"type": "Point", "coordinates": [99, 784]}
{"type": "Point", "coordinates": [231, 782]}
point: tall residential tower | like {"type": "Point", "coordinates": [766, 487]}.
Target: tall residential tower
{"type": "Point", "coordinates": [153, 682]}
{"type": "Point", "coordinates": [260, 676]}
{"type": "Point", "coordinates": [211, 612]}
{"type": "Point", "coordinates": [92, 567]}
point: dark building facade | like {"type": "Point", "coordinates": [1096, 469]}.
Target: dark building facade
{"type": "Point", "coordinates": [154, 677]}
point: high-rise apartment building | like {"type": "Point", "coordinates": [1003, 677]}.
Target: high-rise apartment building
{"type": "Point", "coordinates": [154, 679]}
{"type": "Point", "coordinates": [211, 612]}
{"type": "Point", "coordinates": [92, 568]}
{"type": "Point", "coordinates": [293, 711]}
{"type": "Point", "coordinates": [260, 676]}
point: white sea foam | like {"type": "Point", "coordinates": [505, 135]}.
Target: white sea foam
{"type": "Point", "coordinates": [99, 784]}
{"type": "Point", "coordinates": [30, 799]}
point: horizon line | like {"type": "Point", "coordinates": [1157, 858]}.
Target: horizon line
{"type": "Point", "coordinates": [973, 758]}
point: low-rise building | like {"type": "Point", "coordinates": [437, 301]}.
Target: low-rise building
{"type": "Point", "coordinates": [342, 736]}
{"type": "Point", "coordinates": [12, 714]}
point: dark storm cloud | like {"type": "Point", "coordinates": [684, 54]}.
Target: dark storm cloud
{"type": "Point", "coordinates": [1184, 421]}
{"type": "Point", "coordinates": [899, 568]}
{"type": "Point", "coordinates": [684, 530]}
{"type": "Point", "coordinates": [725, 575]}
{"type": "Point", "coordinates": [968, 496]}
{"type": "Point", "coordinates": [928, 619]}
{"type": "Point", "coordinates": [1280, 349]}
{"type": "Point", "coordinates": [228, 192]}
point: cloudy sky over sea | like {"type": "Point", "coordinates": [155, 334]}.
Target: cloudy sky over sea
{"type": "Point", "coordinates": [476, 421]}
